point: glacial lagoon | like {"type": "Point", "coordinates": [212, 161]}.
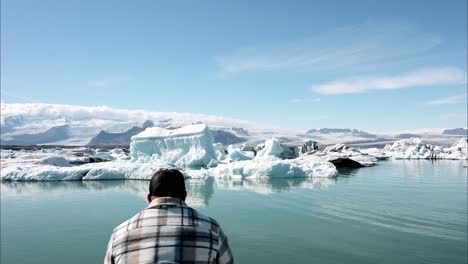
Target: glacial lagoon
{"type": "Point", "coordinates": [401, 211]}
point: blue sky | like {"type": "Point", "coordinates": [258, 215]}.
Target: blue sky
{"type": "Point", "coordinates": [373, 65]}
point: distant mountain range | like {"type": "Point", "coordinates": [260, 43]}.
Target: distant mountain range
{"type": "Point", "coordinates": [226, 138]}
{"type": "Point", "coordinates": [354, 132]}
{"type": "Point", "coordinates": [330, 130]}
{"type": "Point", "coordinates": [51, 135]}
{"type": "Point", "coordinates": [39, 124]}
{"type": "Point", "coordinates": [104, 138]}
{"type": "Point", "coordinates": [36, 123]}
{"type": "Point", "coordinates": [406, 136]}
{"type": "Point", "coordinates": [456, 131]}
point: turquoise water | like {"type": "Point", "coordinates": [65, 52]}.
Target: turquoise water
{"type": "Point", "coordinates": [395, 212]}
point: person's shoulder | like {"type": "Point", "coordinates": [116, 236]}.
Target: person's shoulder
{"type": "Point", "coordinates": [204, 219]}
{"type": "Point", "coordinates": [124, 226]}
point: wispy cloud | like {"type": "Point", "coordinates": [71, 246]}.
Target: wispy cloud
{"type": "Point", "coordinates": [456, 99]}
{"type": "Point", "coordinates": [422, 77]}
{"type": "Point", "coordinates": [347, 49]}
{"type": "Point", "coordinates": [304, 100]}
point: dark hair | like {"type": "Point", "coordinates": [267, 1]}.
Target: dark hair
{"type": "Point", "coordinates": [167, 182]}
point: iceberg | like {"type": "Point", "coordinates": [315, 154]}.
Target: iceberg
{"type": "Point", "coordinates": [54, 161]}
{"type": "Point", "coordinates": [271, 167]}
{"type": "Point", "coordinates": [272, 148]}
{"type": "Point", "coordinates": [111, 170]}
{"type": "Point", "coordinates": [457, 151]}
{"type": "Point", "coordinates": [60, 165]}
{"type": "Point", "coordinates": [414, 148]}
{"type": "Point", "coordinates": [341, 151]}
{"type": "Point", "coordinates": [235, 154]}
{"type": "Point", "coordinates": [189, 146]}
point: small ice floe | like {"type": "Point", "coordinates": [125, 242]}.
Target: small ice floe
{"type": "Point", "coordinates": [378, 153]}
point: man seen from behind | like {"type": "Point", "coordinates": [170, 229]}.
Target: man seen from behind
{"type": "Point", "coordinates": [168, 231]}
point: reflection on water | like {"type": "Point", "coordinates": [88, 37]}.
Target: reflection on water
{"type": "Point", "coordinates": [199, 191]}
{"type": "Point", "coordinates": [348, 172]}
{"type": "Point", "coordinates": [395, 220]}
{"type": "Point", "coordinates": [272, 185]}
{"type": "Point", "coordinates": [420, 168]}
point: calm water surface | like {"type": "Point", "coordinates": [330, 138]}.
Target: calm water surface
{"type": "Point", "coordinates": [396, 212]}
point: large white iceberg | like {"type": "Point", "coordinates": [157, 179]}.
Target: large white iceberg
{"type": "Point", "coordinates": [190, 146]}
{"type": "Point", "coordinates": [267, 168]}
{"type": "Point", "coordinates": [270, 168]}
{"type": "Point", "coordinates": [414, 148]}
{"type": "Point", "coordinates": [457, 151]}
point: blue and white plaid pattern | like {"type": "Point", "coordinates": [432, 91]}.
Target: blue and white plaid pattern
{"type": "Point", "coordinates": [168, 231]}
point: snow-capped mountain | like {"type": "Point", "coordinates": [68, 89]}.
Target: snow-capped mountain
{"type": "Point", "coordinates": [456, 131]}
{"type": "Point", "coordinates": [51, 135]}
{"type": "Point", "coordinates": [27, 124]}
{"type": "Point", "coordinates": [39, 124]}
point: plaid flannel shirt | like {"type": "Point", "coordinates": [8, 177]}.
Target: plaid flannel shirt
{"type": "Point", "coordinates": [168, 231]}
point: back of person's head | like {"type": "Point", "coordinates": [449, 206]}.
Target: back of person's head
{"type": "Point", "coordinates": [168, 183]}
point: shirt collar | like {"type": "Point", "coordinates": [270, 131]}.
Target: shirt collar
{"type": "Point", "coordinates": [170, 201]}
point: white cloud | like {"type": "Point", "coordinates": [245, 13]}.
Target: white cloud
{"type": "Point", "coordinates": [422, 77]}
{"type": "Point", "coordinates": [91, 114]}
{"type": "Point", "coordinates": [456, 99]}
{"type": "Point", "coordinates": [349, 49]}
{"type": "Point", "coordinates": [86, 122]}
